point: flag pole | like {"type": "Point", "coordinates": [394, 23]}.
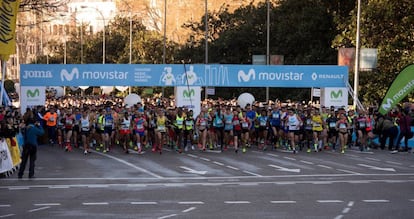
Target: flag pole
{"type": "Point", "coordinates": [3, 73]}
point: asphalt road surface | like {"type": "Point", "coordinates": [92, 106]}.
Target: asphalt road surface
{"type": "Point", "coordinates": [196, 184]}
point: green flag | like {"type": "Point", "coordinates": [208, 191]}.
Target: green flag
{"type": "Point", "coordinates": [402, 85]}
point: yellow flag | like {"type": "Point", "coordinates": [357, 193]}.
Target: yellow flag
{"type": "Point", "coordinates": [8, 17]}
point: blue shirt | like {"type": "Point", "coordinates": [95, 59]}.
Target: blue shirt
{"type": "Point", "coordinates": [32, 132]}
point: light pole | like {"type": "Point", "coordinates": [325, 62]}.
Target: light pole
{"type": "Point", "coordinates": [65, 39]}
{"type": "Point", "coordinates": [356, 72]}
{"type": "Point", "coordinates": [164, 49]}
{"type": "Point", "coordinates": [206, 43]}
{"type": "Point", "coordinates": [103, 33]}
{"type": "Point", "coordinates": [267, 42]}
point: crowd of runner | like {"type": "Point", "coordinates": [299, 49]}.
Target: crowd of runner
{"type": "Point", "coordinates": [104, 125]}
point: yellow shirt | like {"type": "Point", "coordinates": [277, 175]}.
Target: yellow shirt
{"type": "Point", "coordinates": [317, 123]}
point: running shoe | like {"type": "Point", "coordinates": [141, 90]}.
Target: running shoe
{"type": "Point", "coordinates": [244, 150]}
{"type": "Point", "coordinates": [309, 150]}
{"type": "Point", "coordinates": [85, 152]}
{"type": "Point", "coordinates": [342, 151]}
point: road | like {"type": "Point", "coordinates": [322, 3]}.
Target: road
{"type": "Point", "coordinates": [195, 184]}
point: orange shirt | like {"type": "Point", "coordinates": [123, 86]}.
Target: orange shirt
{"type": "Point", "coordinates": [50, 118]}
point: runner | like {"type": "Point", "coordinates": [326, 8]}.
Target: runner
{"type": "Point", "coordinates": [318, 126]}
{"type": "Point", "coordinates": [201, 124]}
{"type": "Point", "coordinates": [188, 130]}
{"type": "Point", "coordinates": [85, 129]}
{"type": "Point", "coordinates": [293, 123]}
{"type": "Point", "coordinates": [125, 131]}
{"type": "Point", "coordinates": [139, 125]}
{"type": "Point", "coordinates": [69, 125]}
{"type": "Point", "coordinates": [160, 131]}
{"type": "Point", "coordinates": [342, 126]}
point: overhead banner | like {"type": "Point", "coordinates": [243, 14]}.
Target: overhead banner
{"type": "Point", "coordinates": [175, 75]}
{"type": "Point", "coordinates": [403, 85]}
{"type": "Point", "coordinates": [8, 16]}
{"type": "Point", "coordinates": [190, 98]}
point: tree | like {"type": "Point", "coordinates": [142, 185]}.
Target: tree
{"type": "Point", "coordinates": [302, 31]}
{"type": "Point", "coordinates": [387, 25]}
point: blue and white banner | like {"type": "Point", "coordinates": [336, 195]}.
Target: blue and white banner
{"type": "Point", "coordinates": [183, 75]}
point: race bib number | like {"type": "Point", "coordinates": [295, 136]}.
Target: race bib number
{"type": "Point", "coordinates": [332, 125]}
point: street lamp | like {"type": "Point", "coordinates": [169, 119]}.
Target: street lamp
{"type": "Point", "coordinates": [103, 33]}
{"type": "Point", "coordinates": [356, 73]}
{"type": "Point", "coordinates": [206, 42]}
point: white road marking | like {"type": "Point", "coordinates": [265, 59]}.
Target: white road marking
{"type": "Point", "coordinates": [349, 171]}
{"type": "Point", "coordinates": [144, 203]}
{"type": "Point", "coordinates": [289, 158]}
{"type": "Point", "coordinates": [191, 203]}
{"type": "Point", "coordinates": [7, 215]}
{"type": "Point", "coordinates": [218, 163]}
{"type": "Point", "coordinates": [323, 166]}
{"type": "Point", "coordinates": [359, 181]}
{"type": "Point", "coordinates": [205, 159]}
{"type": "Point", "coordinates": [329, 201]}
{"type": "Point", "coordinates": [284, 169]}
{"type": "Point", "coordinates": [306, 162]}
{"type": "Point", "coordinates": [97, 186]}
{"type": "Point", "coordinates": [168, 216]}
{"type": "Point", "coordinates": [95, 203]}
{"type": "Point", "coordinates": [237, 202]}
{"type": "Point", "coordinates": [273, 155]}
{"type": "Point", "coordinates": [47, 204]}
{"type": "Point", "coordinates": [392, 162]}
{"type": "Point", "coordinates": [189, 209]}
{"type": "Point", "coordinates": [39, 209]}
{"type": "Point", "coordinates": [370, 158]}
{"type": "Point", "coordinates": [350, 204]}
{"type": "Point", "coordinates": [339, 217]}
{"type": "Point", "coordinates": [189, 170]}
{"type": "Point", "coordinates": [233, 168]}
{"type": "Point", "coordinates": [5, 206]}
{"type": "Point", "coordinates": [377, 168]}
{"type": "Point", "coordinates": [59, 187]}
{"type": "Point", "coordinates": [346, 210]}
{"type": "Point", "coordinates": [283, 202]}
{"type": "Point", "coordinates": [322, 183]}
{"type": "Point", "coordinates": [376, 201]}
{"type": "Point", "coordinates": [192, 155]}
{"type": "Point", "coordinates": [285, 183]}
{"type": "Point", "coordinates": [248, 184]}
{"type": "Point", "coordinates": [254, 174]}
{"type": "Point", "coordinates": [131, 165]}
{"type": "Point", "coordinates": [18, 188]}
{"type": "Point", "coordinates": [411, 200]}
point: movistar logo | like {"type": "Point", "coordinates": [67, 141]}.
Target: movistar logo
{"type": "Point", "coordinates": [336, 95]}
{"type": "Point", "coordinates": [387, 105]}
{"type": "Point", "coordinates": [188, 93]}
{"type": "Point", "coordinates": [34, 93]}
{"type": "Point", "coordinates": [243, 77]}
{"type": "Point", "coordinates": [64, 74]}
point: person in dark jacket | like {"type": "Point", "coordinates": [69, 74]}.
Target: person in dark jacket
{"type": "Point", "coordinates": [387, 131]}
{"type": "Point", "coordinates": [32, 131]}
{"type": "Point", "coordinates": [404, 121]}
